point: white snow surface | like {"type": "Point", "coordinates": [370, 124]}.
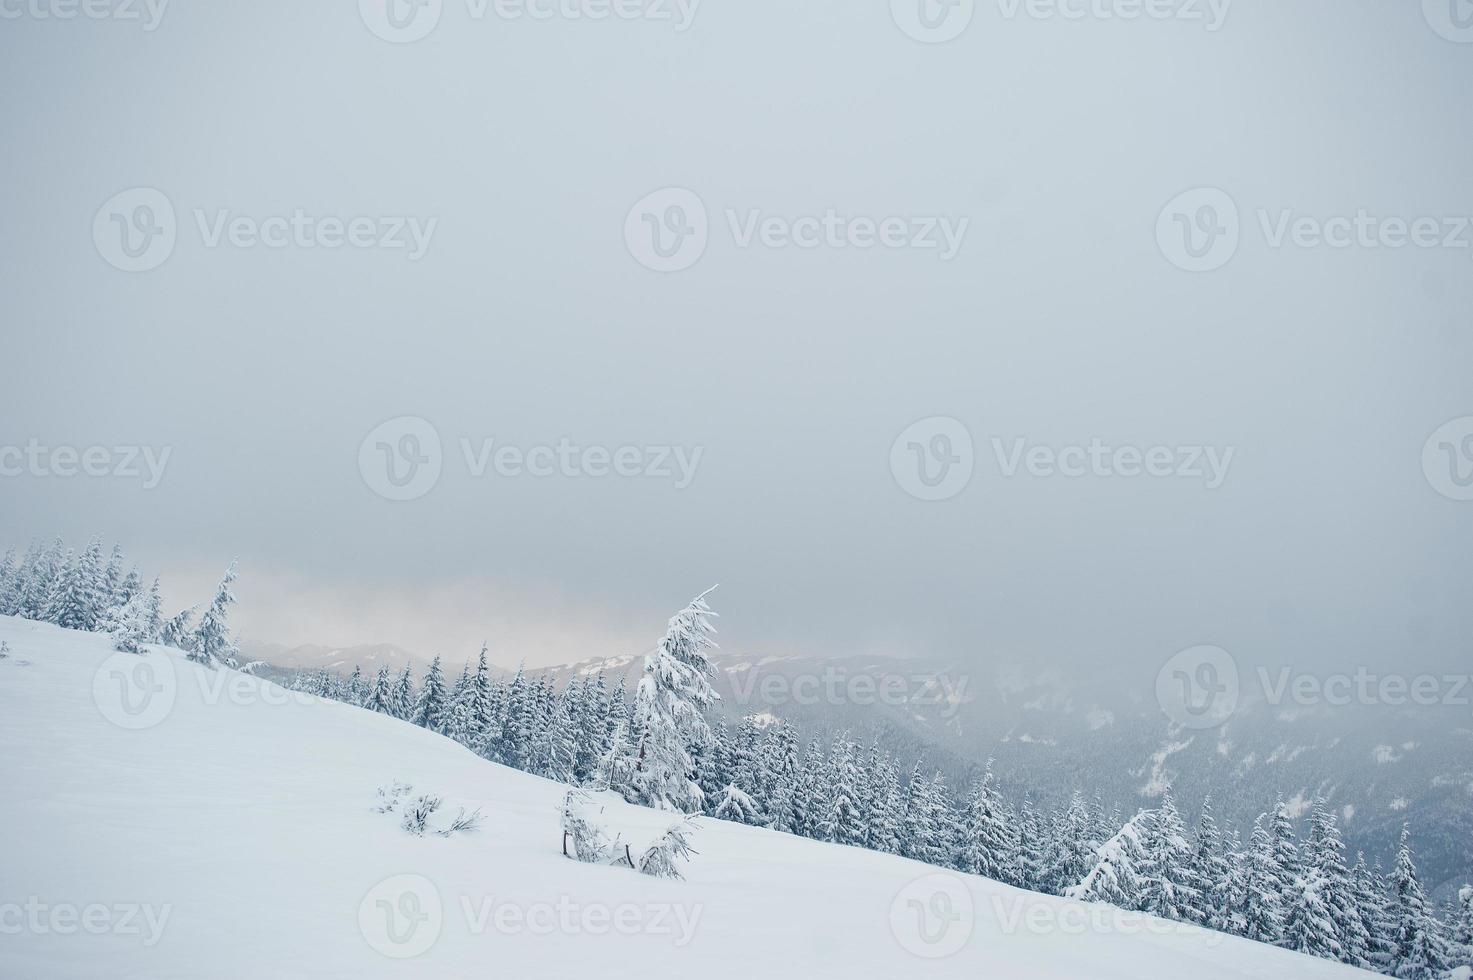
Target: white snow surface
{"type": "Point", "coordinates": [241, 820]}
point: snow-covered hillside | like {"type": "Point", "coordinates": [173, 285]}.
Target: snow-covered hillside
{"type": "Point", "coordinates": [162, 820]}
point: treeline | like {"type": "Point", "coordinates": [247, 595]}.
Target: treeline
{"type": "Point", "coordinates": [84, 591]}
{"type": "Point", "coordinates": [1273, 886]}
{"type": "Point", "coordinates": [657, 749]}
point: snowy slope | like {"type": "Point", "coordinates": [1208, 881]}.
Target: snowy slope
{"type": "Point", "coordinates": [164, 821]}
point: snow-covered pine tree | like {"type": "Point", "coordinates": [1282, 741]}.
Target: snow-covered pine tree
{"type": "Point", "coordinates": [555, 751]}
{"type": "Point", "coordinates": [737, 807]}
{"type": "Point", "coordinates": [13, 590]}
{"type": "Point", "coordinates": [1262, 912]}
{"type": "Point", "coordinates": [1115, 878]}
{"type": "Point", "coordinates": [176, 631]}
{"type": "Point", "coordinates": [616, 769]}
{"type": "Point", "coordinates": [110, 579]}
{"type": "Point", "coordinates": [212, 643]}
{"type": "Point", "coordinates": [458, 708]}
{"type": "Point", "coordinates": [75, 601]}
{"type": "Point", "coordinates": [7, 572]}
{"type": "Point", "coordinates": [1368, 891]}
{"type": "Point", "coordinates": [1414, 953]}
{"type": "Point", "coordinates": [1031, 858]}
{"type": "Point", "coordinates": [1461, 933]}
{"type": "Point", "coordinates": [129, 625]}
{"type": "Point", "coordinates": [1209, 874]}
{"type": "Point", "coordinates": [780, 779]}
{"type": "Point", "coordinates": [593, 729]}
{"type": "Point", "coordinates": [1310, 926]}
{"type": "Point", "coordinates": [401, 700]}
{"type": "Point", "coordinates": [843, 823]}
{"type": "Point", "coordinates": [887, 813]}
{"type": "Point", "coordinates": [989, 848]}
{"type": "Point", "coordinates": [715, 764]}
{"type": "Point", "coordinates": [1325, 855]}
{"type": "Point", "coordinates": [127, 587]}
{"type": "Point", "coordinates": [1168, 893]}
{"type": "Point", "coordinates": [430, 709]}
{"type": "Point", "coordinates": [381, 696]}
{"type": "Point", "coordinates": [481, 712]}
{"type": "Point", "coordinates": [51, 562]}
{"type": "Point", "coordinates": [512, 743]}
{"type": "Point", "coordinates": [813, 791]}
{"type": "Point", "coordinates": [669, 710]}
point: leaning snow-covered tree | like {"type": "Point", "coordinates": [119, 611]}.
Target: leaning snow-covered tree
{"type": "Point", "coordinates": [660, 857]}
{"type": "Point", "coordinates": [669, 711]}
{"type": "Point", "coordinates": [212, 641]}
{"type": "Point", "coordinates": [1116, 876]}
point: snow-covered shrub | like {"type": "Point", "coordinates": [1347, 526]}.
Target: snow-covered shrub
{"type": "Point", "coordinates": [589, 844]}
{"type": "Point", "coordinates": [463, 822]}
{"type": "Point", "coordinates": [660, 857]}
{"type": "Point", "coordinates": [417, 815]}
{"type": "Point", "coordinates": [389, 797]}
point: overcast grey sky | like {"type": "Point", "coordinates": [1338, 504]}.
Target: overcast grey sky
{"type": "Point", "coordinates": [1052, 149]}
